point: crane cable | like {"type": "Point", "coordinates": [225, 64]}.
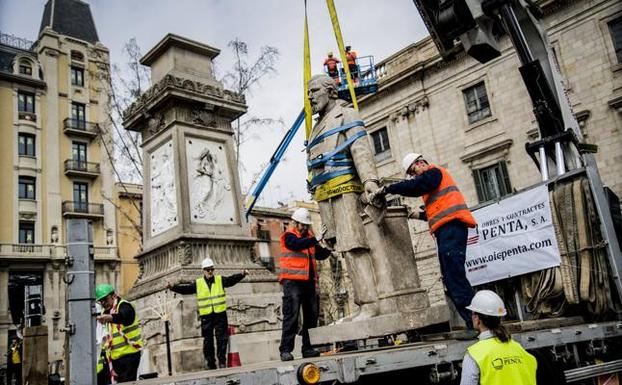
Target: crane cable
{"type": "Point", "coordinates": [307, 77]}
{"type": "Point", "coordinates": [342, 51]}
{"type": "Point", "coordinates": [307, 62]}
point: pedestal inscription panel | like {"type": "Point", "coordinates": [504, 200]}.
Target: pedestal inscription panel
{"type": "Point", "coordinates": [162, 189]}
{"type": "Point", "coordinates": [209, 186]}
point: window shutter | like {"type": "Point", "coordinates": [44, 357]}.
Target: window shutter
{"type": "Point", "coordinates": [507, 186]}
{"type": "Point", "coordinates": [478, 186]}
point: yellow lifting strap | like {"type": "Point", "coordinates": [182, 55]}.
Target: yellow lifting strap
{"type": "Point", "coordinates": [337, 186]}
{"type": "Point", "coordinates": [307, 77]}
{"type": "Point", "coordinates": [342, 51]}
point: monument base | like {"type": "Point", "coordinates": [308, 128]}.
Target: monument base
{"type": "Point", "coordinates": [260, 346]}
{"type": "Point", "coordinates": [380, 326]}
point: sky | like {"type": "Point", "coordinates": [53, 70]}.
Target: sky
{"type": "Point", "coordinates": [372, 27]}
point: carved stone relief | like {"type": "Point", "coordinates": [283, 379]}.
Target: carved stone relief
{"type": "Point", "coordinates": [163, 192]}
{"type": "Point", "coordinates": [211, 193]}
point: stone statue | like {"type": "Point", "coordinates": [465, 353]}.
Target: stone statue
{"type": "Point", "coordinates": [342, 171]}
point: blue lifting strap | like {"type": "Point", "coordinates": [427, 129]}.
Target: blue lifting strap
{"type": "Point", "coordinates": [326, 176]}
{"type": "Point", "coordinates": [333, 131]}
{"type": "Point", "coordinates": [323, 158]}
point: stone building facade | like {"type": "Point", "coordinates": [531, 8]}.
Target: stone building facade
{"type": "Point", "coordinates": [474, 119]}
{"type": "Point", "coordinates": [53, 167]}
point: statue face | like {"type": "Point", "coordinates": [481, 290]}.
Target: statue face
{"type": "Point", "coordinates": [318, 96]}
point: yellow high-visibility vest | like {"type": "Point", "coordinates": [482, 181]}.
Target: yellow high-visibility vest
{"type": "Point", "coordinates": [213, 300]}
{"type": "Point", "coordinates": [502, 363]}
{"type": "Point", "coordinates": [15, 355]}
{"type": "Point", "coordinates": [101, 362]}
{"type": "Point", "coordinates": [125, 339]}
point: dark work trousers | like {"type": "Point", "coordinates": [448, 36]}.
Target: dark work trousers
{"type": "Point", "coordinates": [103, 377]}
{"type": "Point", "coordinates": [14, 371]}
{"type": "Point", "coordinates": [126, 367]}
{"type": "Point", "coordinates": [451, 239]}
{"type": "Point", "coordinates": [297, 295]}
{"type": "Point", "coordinates": [215, 322]}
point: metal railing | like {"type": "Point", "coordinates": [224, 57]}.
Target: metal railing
{"type": "Point", "coordinates": [16, 42]}
{"type": "Point", "coordinates": [30, 116]}
{"type": "Point", "coordinates": [83, 208]}
{"type": "Point", "coordinates": [81, 125]}
{"type": "Point", "coordinates": [81, 166]}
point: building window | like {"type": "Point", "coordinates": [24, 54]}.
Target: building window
{"type": "Point", "coordinates": [615, 28]}
{"type": "Point", "coordinates": [27, 187]}
{"type": "Point", "coordinates": [78, 155]}
{"type": "Point", "coordinates": [25, 68]}
{"type": "Point", "coordinates": [492, 182]}
{"type": "Point", "coordinates": [78, 115]}
{"type": "Point", "coordinates": [26, 232]}
{"type": "Point", "coordinates": [382, 147]}
{"type": "Point", "coordinates": [77, 56]}
{"type": "Point", "coordinates": [25, 102]}
{"type": "Point", "coordinates": [476, 102]}
{"type": "Point", "coordinates": [26, 144]}
{"type": "Point", "coordinates": [77, 77]}
{"type": "Point", "coordinates": [81, 197]}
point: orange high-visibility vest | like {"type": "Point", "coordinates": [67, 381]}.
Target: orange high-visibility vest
{"type": "Point", "coordinates": [294, 265]}
{"type": "Point", "coordinates": [331, 63]}
{"type": "Point", "coordinates": [351, 57]}
{"type": "Point", "coordinates": [446, 203]}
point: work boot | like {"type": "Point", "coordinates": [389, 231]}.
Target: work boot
{"type": "Point", "coordinates": [222, 365]}
{"type": "Point", "coordinates": [464, 335]}
{"type": "Point", "coordinates": [310, 352]}
{"type": "Point", "coordinates": [211, 365]}
{"type": "Point", "coordinates": [286, 356]}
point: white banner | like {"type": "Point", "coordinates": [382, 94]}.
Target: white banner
{"type": "Point", "coordinates": [514, 236]}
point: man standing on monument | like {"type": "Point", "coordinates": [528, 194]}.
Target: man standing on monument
{"type": "Point", "coordinates": [298, 275]}
{"type": "Point", "coordinates": [342, 168]}
{"type": "Point", "coordinates": [449, 219]}
{"type": "Point", "coordinates": [212, 308]}
{"type": "Point", "coordinates": [124, 341]}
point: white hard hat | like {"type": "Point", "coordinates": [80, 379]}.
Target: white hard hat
{"type": "Point", "coordinates": [487, 302]}
{"type": "Point", "coordinates": [302, 215]}
{"type": "Point", "coordinates": [409, 160]}
{"type": "Point", "coordinates": [207, 262]}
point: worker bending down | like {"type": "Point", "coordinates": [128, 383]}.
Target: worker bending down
{"type": "Point", "coordinates": [449, 219]}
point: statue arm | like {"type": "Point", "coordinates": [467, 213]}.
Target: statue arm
{"type": "Point", "coordinates": [362, 154]}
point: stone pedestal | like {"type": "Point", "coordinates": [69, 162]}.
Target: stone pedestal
{"type": "Point", "coordinates": [404, 305]}
{"type": "Point", "coordinates": [192, 205]}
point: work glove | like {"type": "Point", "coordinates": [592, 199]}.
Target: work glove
{"type": "Point", "coordinates": [323, 231]}
{"type": "Point", "coordinates": [376, 197]}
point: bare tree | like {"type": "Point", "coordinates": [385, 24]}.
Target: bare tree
{"type": "Point", "coordinates": [242, 79]}
{"type": "Point", "coordinates": [123, 84]}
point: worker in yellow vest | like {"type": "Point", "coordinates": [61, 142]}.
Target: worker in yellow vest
{"type": "Point", "coordinates": [496, 359]}
{"type": "Point", "coordinates": [212, 308]}
{"type": "Point", "coordinates": [14, 367]}
{"type": "Point", "coordinates": [124, 342]}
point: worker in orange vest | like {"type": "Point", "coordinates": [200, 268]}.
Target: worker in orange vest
{"type": "Point", "coordinates": [330, 63]}
{"type": "Point", "coordinates": [449, 219]}
{"type": "Point", "coordinates": [298, 275]}
{"type": "Point", "coordinates": [351, 59]}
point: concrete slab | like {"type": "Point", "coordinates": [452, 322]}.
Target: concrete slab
{"type": "Point", "coordinates": [260, 346]}
{"type": "Point", "coordinates": [380, 326]}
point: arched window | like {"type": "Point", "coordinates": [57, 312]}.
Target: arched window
{"type": "Point", "coordinates": [77, 56]}
{"type": "Point", "coordinates": [25, 67]}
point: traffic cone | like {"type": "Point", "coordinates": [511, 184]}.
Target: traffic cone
{"type": "Point", "coordinates": [233, 357]}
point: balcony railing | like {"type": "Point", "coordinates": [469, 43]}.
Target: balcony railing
{"type": "Point", "coordinates": [80, 127]}
{"type": "Point", "coordinates": [83, 209]}
{"type": "Point", "coordinates": [29, 116]}
{"type": "Point", "coordinates": [81, 168]}
{"type": "Point", "coordinates": [50, 251]}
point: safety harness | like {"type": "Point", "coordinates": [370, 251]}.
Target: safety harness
{"type": "Point", "coordinates": [339, 175]}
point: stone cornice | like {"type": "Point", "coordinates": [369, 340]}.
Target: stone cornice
{"type": "Point", "coordinates": [184, 89]}
{"type": "Point", "coordinates": [22, 80]}
{"type": "Point", "coordinates": [503, 145]}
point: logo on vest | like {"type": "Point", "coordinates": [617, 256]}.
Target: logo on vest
{"type": "Point", "coordinates": [499, 363]}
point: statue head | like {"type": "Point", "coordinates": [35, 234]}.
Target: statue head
{"type": "Point", "coordinates": [322, 93]}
